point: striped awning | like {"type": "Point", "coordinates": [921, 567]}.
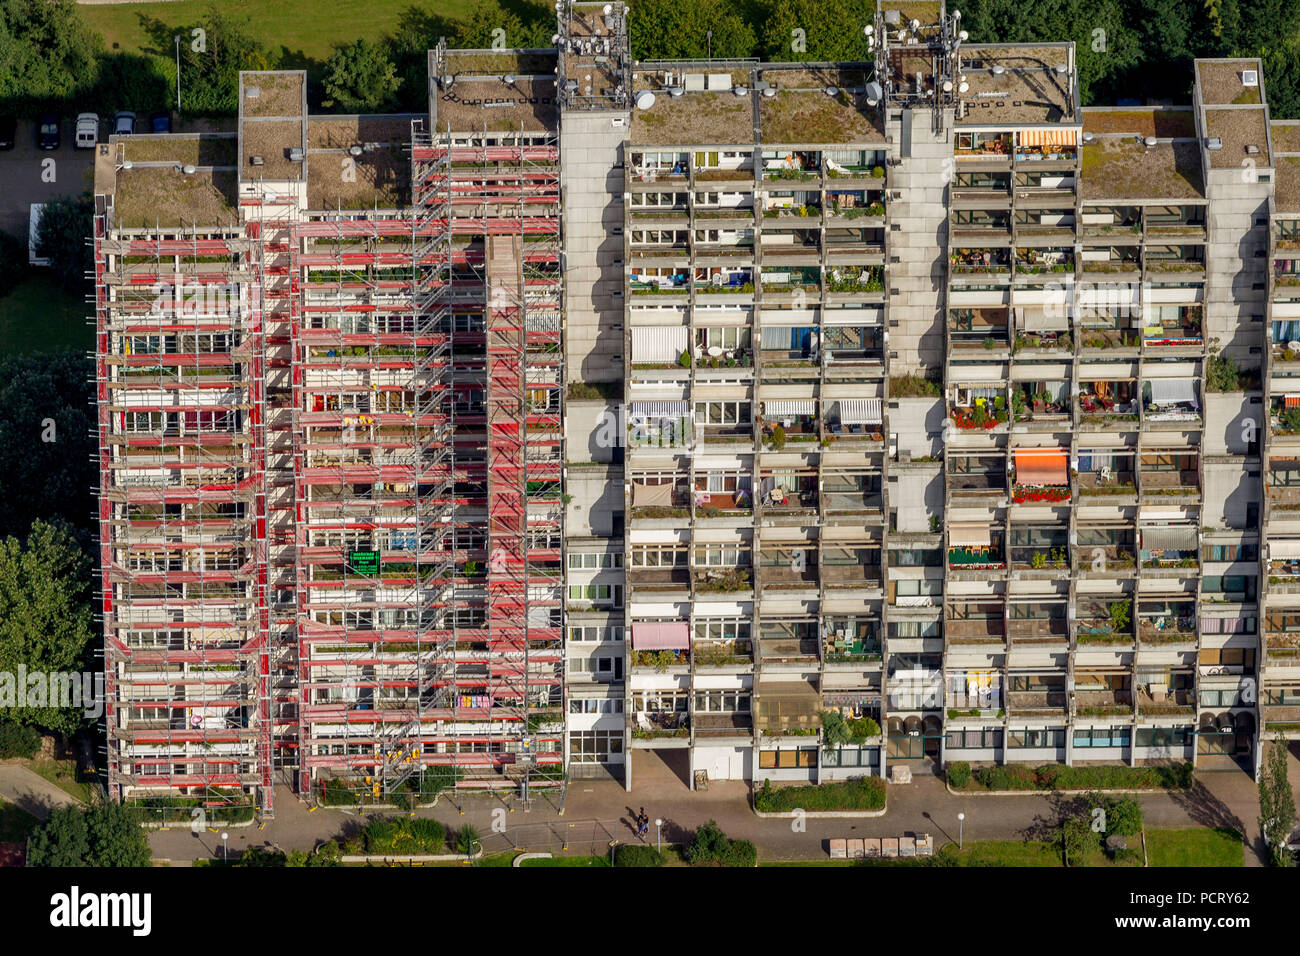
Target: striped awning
{"type": "Point", "coordinates": [777, 409]}
{"type": "Point", "coordinates": [1291, 401]}
{"type": "Point", "coordinates": [1042, 466]}
{"type": "Point", "coordinates": [860, 411]}
{"type": "Point", "coordinates": [655, 410]}
{"type": "Point", "coordinates": [969, 534]}
{"type": "Point", "coordinates": [661, 636]}
{"type": "Point", "coordinates": [1169, 538]}
{"type": "Point", "coordinates": [659, 343]}
{"type": "Point", "coordinates": [1283, 550]}
{"type": "Point", "coordinates": [1169, 391]}
{"type": "Point", "coordinates": [1049, 137]}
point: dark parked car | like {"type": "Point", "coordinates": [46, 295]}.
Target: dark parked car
{"type": "Point", "coordinates": [47, 131]}
{"type": "Point", "coordinates": [124, 123]}
{"type": "Point", "coordinates": [8, 130]}
{"type": "Point", "coordinates": [161, 123]}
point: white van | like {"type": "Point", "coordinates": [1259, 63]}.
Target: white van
{"type": "Point", "coordinates": [87, 130]}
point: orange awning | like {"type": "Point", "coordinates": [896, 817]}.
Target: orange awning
{"type": "Point", "coordinates": [1292, 401]}
{"type": "Point", "coordinates": [1042, 468]}
{"type": "Point", "coordinates": [1048, 137]}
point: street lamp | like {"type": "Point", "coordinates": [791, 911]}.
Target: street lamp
{"type": "Point", "coordinates": [177, 38]}
{"type": "Point", "coordinates": [961, 829]}
{"type": "Point", "coordinates": [612, 845]}
{"type": "Point", "coordinates": [659, 835]}
{"type": "Point", "coordinates": [224, 837]}
{"type": "Point", "coordinates": [709, 34]}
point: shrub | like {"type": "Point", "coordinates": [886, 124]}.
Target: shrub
{"type": "Point", "coordinates": [740, 853]}
{"type": "Point", "coordinates": [684, 360]}
{"type": "Point", "coordinates": [18, 740]}
{"type": "Point", "coordinates": [1009, 777]}
{"type": "Point", "coordinates": [634, 854]}
{"type": "Point", "coordinates": [959, 773]}
{"type": "Point", "coordinates": [861, 793]}
{"type": "Point", "coordinates": [778, 437]}
{"type": "Point", "coordinates": [711, 847]}
{"type": "Point", "coordinates": [387, 835]}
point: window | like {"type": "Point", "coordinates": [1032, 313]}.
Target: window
{"type": "Point", "coordinates": [974, 739]}
{"type": "Point", "coordinates": [596, 705]}
{"type": "Point", "coordinates": [722, 413]}
{"type": "Point", "coordinates": [787, 759]}
{"type": "Point", "coordinates": [610, 595]}
{"type": "Point", "coordinates": [595, 746]}
{"type": "Point", "coordinates": [595, 634]}
{"type": "Point", "coordinates": [851, 757]}
{"type": "Point", "coordinates": [1102, 737]}
{"type": "Point", "coordinates": [1165, 736]}
{"type": "Point", "coordinates": [1044, 739]}
{"type": "Point", "coordinates": [594, 560]}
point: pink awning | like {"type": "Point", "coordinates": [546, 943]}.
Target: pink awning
{"type": "Point", "coordinates": [663, 636]}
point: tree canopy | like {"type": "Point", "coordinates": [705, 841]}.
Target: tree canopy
{"type": "Point", "coordinates": [104, 835]}
{"type": "Point", "coordinates": [360, 78]}
{"type": "Point", "coordinates": [45, 614]}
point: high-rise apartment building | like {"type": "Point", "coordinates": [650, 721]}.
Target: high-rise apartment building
{"type": "Point", "coordinates": [771, 421]}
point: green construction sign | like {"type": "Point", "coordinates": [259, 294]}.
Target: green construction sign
{"type": "Point", "coordinates": [364, 562]}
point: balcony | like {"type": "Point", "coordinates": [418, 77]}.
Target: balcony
{"type": "Point", "coordinates": [723, 725]}
{"type": "Point", "coordinates": [975, 483]}
{"type": "Point", "coordinates": [1103, 703]}
{"type": "Point", "coordinates": [1157, 700]}
{"type": "Point", "coordinates": [661, 661]}
{"type": "Point", "coordinates": [972, 261]}
{"type": "Point", "coordinates": [978, 630]}
{"type": "Point", "coordinates": [723, 654]}
{"type": "Point", "coordinates": [1167, 630]}
{"type": "Point", "coordinates": [1038, 703]}
{"type": "Point", "coordinates": [1106, 483]}
{"type": "Point", "coordinates": [661, 724]}
{"type": "Point", "coordinates": [1180, 483]}
{"type": "Point", "coordinates": [1039, 630]}
{"type": "Point", "coordinates": [976, 559]}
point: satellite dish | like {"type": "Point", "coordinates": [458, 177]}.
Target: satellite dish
{"type": "Point", "coordinates": [609, 8]}
{"type": "Point", "coordinates": [874, 92]}
{"type": "Point", "coordinates": [189, 170]}
{"type": "Point", "coordinates": [741, 90]}
{"type": "Point", "coordinates": [1149, 142]}
{"type": "Point", "coordinates": [644, 100]}
{"type": "Point", "coordinates": [508, 79]}
{"type": "Point", "coordinates": [871, 43]}
{"type": "Point", "coordinates": [1089, 137]}
{"type": "Point", "coordinates": [868, 29]}
{"type": "Point", "coordinates": [356, 150]}
{"type": "Point", "coordinates": [963, 86]}
{"type": "Point", "coordinates": [769, 92]}
{"type": "Point", "coordinates": [915, 25]}
{"type": "Point", "coordinates": [832, 91]}
{"type": "Point", "coordinates": [947, 86]}
{"type": "Point", "coordinates": [956, 15]}
{"type": "Point", "coordinates": [555, 38]}
{"type": "Point", "coordinates": [998, 69]}
{"type": "Point", "coordinates": [127, 164]}
{"type": "Point", "coordinates": [676, 91]}
{"type": "Point", "coordinates": [1061, 68]}
{"type": "Point", "coordinates": [963, 36]}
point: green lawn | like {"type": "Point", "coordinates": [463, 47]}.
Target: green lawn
{"type": "Point", "coordinates": [307, 27]}
{"type": "Point", "coordinates": [40, 315]}
{"type": "Point", "coordinates": [1195, 847]}
{"type": "Point", "coordinates": [63, 774]}
{"type": "Point", "coordinates": [15, 824]}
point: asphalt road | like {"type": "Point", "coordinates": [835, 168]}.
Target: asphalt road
{"type": "Point", "coordinates": [23, 173]}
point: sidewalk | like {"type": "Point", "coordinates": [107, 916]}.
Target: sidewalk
{"type": "Point", "coordinates": [32, 792]}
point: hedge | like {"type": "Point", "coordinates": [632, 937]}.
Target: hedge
{"type": "Point", "coordinates": [1059, 777]}
{"type": "Point", "coordinates": [634, 854]}
{"type": "Point", "coordinates": [861, 793]}
{"type": "Point", "coordinates": [959, 773]}
{"type": "Point", "coordinates": [18, 740]}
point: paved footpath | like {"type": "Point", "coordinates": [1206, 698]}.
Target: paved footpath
{"type": "Point", "coordinates": [598, 812]}
{"type": "Point", "coordinates": [32, 792]}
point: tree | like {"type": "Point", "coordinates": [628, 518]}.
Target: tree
{"type": "Point", "coordinates": [360, 78]}
{"type": "Point", "coordinates": [672, 29]}
{"type": "Point", "coordinates": [211, 72]}
{"type": "Point", "coordinates": [815, 29]}
{"type": "Point", "coordinates": [488, 24]}
{"type": "Point", "coordinates": [47, 53]}
{"type": "Point", "coordinates": [45, 615]}
{"type": "Point", "coordinates": [47, 445]}
{"type": "Point", "coordinates": [13, 262]}
{"type": "Point", "coordinates": [105, 835]}
{"type": "Point", "coordinates": [1276, 805]}
{"type": "Point", "coordinates": [61, 237]}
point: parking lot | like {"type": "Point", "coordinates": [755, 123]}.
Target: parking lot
{"type": "Point", "coordinates": [22, 172]}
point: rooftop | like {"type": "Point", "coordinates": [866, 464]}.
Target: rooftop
{"type": "Point", "coordinates": [694, 119]}
{"type": "Point", "coordinates": [1286, 190]}
{"type": "Point", "coordinates": [475, 103]}
{"type": "Point", "coordinates": [1238, 128]}
{"type": "Point", "coordinates": [379, 176]}
{"type": "Point", "coordinates": [1030, 91]}
{"type": "Point", "coordinates": [271, 141]}
{"type": "Point", "coordinates": [1220, 82]}
{"type": "Point", "coordinates": [273, 94]}
{"type": "Point", "coordinates": [1121, 167]}
{"type": "Point", "coordinates": [1178, 122]}
{"type": "Point", "coordinates": [157, 192]}
{"type": "Point", "coordinates": [1286, 136]}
